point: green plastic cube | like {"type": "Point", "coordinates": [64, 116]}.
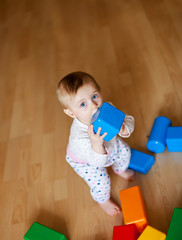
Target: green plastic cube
{"type": "Point", "coordinates": [175, 228]}
{"type": "Point", "coordinates": [39, 232]}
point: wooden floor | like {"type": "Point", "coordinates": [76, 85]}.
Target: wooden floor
{"type": "Point", "coordinates": [133, 49]}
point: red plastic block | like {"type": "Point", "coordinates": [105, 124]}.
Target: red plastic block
{"type": "Point", "coordinates": [128, 232]}
{"type": "Point", "coordinates": [133, 207]}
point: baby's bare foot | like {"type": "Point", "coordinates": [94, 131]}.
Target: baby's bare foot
{"type": "Point", "coordinates": [110, 208]}
{"type": "Point", "coordinates": [128, 175]}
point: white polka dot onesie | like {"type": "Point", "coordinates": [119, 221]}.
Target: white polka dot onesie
{"type": "Point", "coordinates": [91, 166]}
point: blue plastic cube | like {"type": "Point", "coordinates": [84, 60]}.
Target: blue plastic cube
{"type": "Point", "coordinates": [174, 139]}
{"type": "Point", "coordinates": [141, 162]}
{"type": "Point", "coordinates": [110, 119]}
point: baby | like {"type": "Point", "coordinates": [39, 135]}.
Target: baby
{"type": "Point", "coordinates": [87, 153]}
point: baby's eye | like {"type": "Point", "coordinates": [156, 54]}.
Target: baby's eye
{"type": "Point", "coordinates": [83, 104]}
{"type": "Point", "coordinates": [94, 96]}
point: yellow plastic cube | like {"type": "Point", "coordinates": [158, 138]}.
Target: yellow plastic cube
{"type": "Point", "coordinates": [151, 233]}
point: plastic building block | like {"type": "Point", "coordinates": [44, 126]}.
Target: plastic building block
{"type": "Point", "coordinates": [140, 162]}
{"type": "Point", "coordinates": [174, 139]}
{"type": "Point", "coordinates": [175, 230]}
{"type": "Point", "coordinates": [133, 207]}
{"type": "Point", "coordinates": [157, 139]}
{"type": "Point", "coordinates": [128, 232]}
{"type": "Point", "coordinates": [151, 233]}
{"type": "Point", "coordinates": [40, 232]}
{"type": "Point", "coordinates": [110, 119]}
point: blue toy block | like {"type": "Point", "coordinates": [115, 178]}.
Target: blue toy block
{"type": "Point", "coordinates": [175, 231]}
{"type": "Point", "coordinates": [174, 139]}
{"type": "Point", "coordinates": [140, 162]}
{"type": "Point", "coordinates": [110, 119]}
{"type": "Point", "coordinates": [157, 139]}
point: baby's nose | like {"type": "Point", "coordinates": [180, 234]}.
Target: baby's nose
{"type": "Point", "coordinates": [94, 105]}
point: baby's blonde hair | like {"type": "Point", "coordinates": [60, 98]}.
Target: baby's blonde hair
{"type": "Point", "coordinates": [69, 85]}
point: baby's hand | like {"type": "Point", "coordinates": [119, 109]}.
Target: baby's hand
{"type": "Point", "coordinates": [123, 131]}
{"type": "Point", "coordinates": [96, 139]}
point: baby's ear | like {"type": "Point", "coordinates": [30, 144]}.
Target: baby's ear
{"type": "Point", "coordinates": [69, 113]}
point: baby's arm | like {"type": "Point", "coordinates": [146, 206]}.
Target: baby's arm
{"type": "Point", "coordinates": [82, 149]}
{"type": "Point", "coordinates": [127, 127]}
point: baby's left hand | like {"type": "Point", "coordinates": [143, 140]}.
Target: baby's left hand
{"type": "Point", "coordinates": [123, 131]}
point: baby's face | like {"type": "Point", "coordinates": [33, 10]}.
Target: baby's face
{"type": "Point", "coordinates": [85, 103]}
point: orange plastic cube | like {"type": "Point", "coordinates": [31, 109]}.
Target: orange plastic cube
{"type": "Point", "coordinates": [133, 207]}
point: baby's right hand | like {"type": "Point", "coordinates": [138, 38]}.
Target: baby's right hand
{"type": "Point", "coordinates": [96, 139]}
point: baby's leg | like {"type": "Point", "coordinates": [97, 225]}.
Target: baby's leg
{"type": "Point", "coordinates": [99, 183]}
{"type": "Point", "coordinates": [100, 190]}
{"type": "Point", "coordinates": [120, 166]}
